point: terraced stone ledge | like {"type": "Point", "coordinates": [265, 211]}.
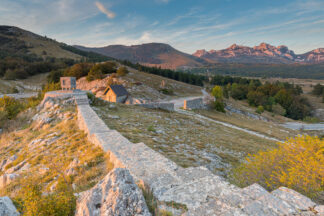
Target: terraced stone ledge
{"type": "Point", "coordinates": [196, 187]}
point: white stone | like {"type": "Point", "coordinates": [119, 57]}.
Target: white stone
{"type": "Point", "coordinates": [116, 194]}
{"type": "Point", "coordinates": [7, 208]}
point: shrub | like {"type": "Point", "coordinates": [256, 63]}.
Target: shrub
{"type": "Point", "coordinates": [78, 70]}
{"type": "Point", "coordinates": [278, 109]}
{"type": "Point", "coordinates": [297, 163]}
{"type": "Point", "coordinates": [13, 90]}
{"type": "Point", "coordinates": [31, 201]}
{"type": "Point", "coordinates": [260, 109]}
{"type": "Point", "coordinates": [219, 106]}
{"type": "Point", "coordinates": [166, 91]}
{"type": "Point", "coordinates": [122, 71]}
{"type": "Point", "coordinates": [95, 73]}
{"type": "Point", "coordinates": [11, 106]}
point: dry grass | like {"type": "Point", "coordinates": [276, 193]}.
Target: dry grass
{"type": "Point", "coordinates": [31, 84]}
{"type": "Point", "coordinates": [267, 128]}
{"type": "Point", "coordinates": [52, 49]}
{"type": "Point", "coordinates": [187, 141]}
{"type": "Point", "coordinates": [55, 146]}
{"type": "Point", "coordinates": [150, 85]}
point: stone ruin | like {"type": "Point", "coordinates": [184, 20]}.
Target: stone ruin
{"type": "Point", "coordinates": [201, 191]}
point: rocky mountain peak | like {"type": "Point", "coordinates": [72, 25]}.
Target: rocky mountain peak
{"type": "Point", "coordinates": [200, 53]}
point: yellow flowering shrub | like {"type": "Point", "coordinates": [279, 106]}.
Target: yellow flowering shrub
{"type": "Point", "coordinates": [297, 163]}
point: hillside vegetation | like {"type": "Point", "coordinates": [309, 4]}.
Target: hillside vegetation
{"type": "Point", "coordinates": [301, 71]}
{"type": "Point", "coordinates": [23, 54]}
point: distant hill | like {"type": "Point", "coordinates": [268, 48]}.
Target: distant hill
{"type": "Point", "coordinates": [23, 53]}
{"type": "Point", "coordinates": [264, 54]}
{"type": "Point", "coordinates": [18, 42]}
{"type": "Point", "coordinates": [151, 54]}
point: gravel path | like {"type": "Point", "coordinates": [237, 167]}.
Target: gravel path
{"type": "Point", "coordinates": [178, 103]}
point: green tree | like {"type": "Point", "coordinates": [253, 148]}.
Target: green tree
{"type": "Point", "coordinates": [217, 92]}
{"type": "Point", "coordinates": [122, 71]}
{"type": "Point", "coordinates": [260, 109]}
{"type": "Point", "coordinates": [318, 90]}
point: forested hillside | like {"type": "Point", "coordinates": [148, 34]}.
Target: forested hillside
{"type": "Point", "coordinates": [301, 71]}
{"type": "Point", "coordinates": [23, 54]}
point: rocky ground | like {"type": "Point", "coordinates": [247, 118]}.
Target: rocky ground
{"type": "Point", "coordinates": [50, 147]}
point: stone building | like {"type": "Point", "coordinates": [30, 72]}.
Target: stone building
{"type": "Point", "coordinates": [68, 83]}
{"type": "Point", "coordinates": [116, 94]}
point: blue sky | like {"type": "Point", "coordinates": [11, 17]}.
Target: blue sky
{"type": "Point", "coordinates": [187, 25]}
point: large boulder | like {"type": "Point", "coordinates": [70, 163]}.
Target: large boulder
{"type": "Point", "coordinates": [116, 194]}
{"type": "Point", "coordinates": [7, 208]}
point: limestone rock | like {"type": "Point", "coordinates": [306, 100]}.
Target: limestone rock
{"type": "Point", "coordinates": [7, 208]}
{"type": "Point", "coordinates": [319, 209]}
{"type": "Point", "coordinates": [294, 198]}
{"type": "Point", "coordinates": [116, 194]}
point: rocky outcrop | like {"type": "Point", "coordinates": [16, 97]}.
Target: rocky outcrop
{"type": "Point", "coordinates": [116, 194]}
{"type": "Point", "coordinates": [7, 208]}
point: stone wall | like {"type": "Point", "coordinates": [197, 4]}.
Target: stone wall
{"type": "Point", "coordinates": [193, 104]}
{"type": "Point", "coordinates": [196, 187]}
{"type": "Point", "coordinates": [159, 105]}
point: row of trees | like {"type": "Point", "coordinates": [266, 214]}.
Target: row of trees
{"type": "Point", "coordinates": [280, 97]}
{"type": "Point", "coordinates": [301, 71]}
{"type": "Point", "coordinates": [185, 77]}
{"type": "Point", "coordinates": [16, 68]}
{"type": "Point", "coordinates": [91, 70]}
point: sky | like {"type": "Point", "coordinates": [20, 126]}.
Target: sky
{"type": "Point", "coordinates": [187, 25]}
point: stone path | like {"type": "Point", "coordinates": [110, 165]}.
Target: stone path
{"type": "Point", "coordinates": [201, 191]}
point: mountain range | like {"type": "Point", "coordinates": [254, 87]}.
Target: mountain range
{"type": "Point", "coordinates": [165, 56]}
{"type": "Point", "coordinates": [16, 42]}
{"type": "Point", "coordinates": [150, 54]}
{"type": "Point", "coordinates": [263, 53]}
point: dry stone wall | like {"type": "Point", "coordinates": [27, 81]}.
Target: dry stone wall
{"type": "Point", "coordinates": [200, 190]}
{"type": "Point", "coordinates": [159, 105]}
{"type": "Point", "coordinates": [193, 104]}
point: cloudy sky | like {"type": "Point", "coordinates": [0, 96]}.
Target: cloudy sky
{"type": "Point", "coordinates": [187, 25]}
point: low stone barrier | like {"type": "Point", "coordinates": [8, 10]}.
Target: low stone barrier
{"type": "Point", "coordinates": [196, 187]}
{"type": "Point", "coordinates": [193, 104]}
{"type": "Point", "coordinates": [159, 105]}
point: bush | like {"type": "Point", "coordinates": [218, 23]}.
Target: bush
{"type": "Point", "coordinates": [10, 106]}
{"type": "Point", "coordinates": [296, 163]}
{"type": "Point", "coordinates": [166, 91]}
{"type": "Point", "coordinates": [278, 109]}
{"type": "Point", "coordinates": [95, 73]}
{"type": "Point", "coordinates": [122, 71]}
{"type": "Point", "coordinates": [217, 92]}
{"type": "Point", "coordinates": [219, 106]}
{"type": "Point", "coordinates": [78, 70]}
{"type": "Point", "coordinates": [260, 109]}
{"type": "Point", "coordinates": [31, 201]}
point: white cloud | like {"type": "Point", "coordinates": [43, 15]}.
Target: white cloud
{"type": "Point", "coordinates": [163, 1]}
{"type": "Point", "coordinates": [104, 10]}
